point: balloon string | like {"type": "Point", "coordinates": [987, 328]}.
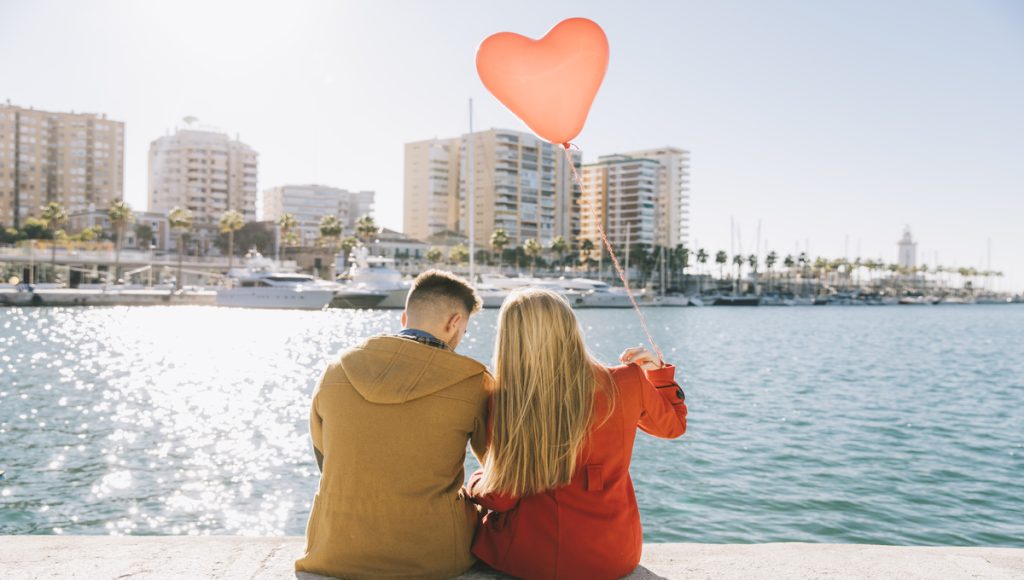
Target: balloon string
{"type": "Point", "coordinates": [615, 259]}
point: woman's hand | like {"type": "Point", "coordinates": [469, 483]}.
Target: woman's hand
{"type": "Point", "coordinates": [642, 357]}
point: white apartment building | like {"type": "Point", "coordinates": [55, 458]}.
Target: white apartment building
{"type": "Point", "coordinates": [645, 193]}
{"type": "Point", "coordinates": [621, 194]}
{"type": "Point", "coordinates": [205, 171]}
{"type": "Point", "coordinates": [310, 203]}
{"type": "Point", "coordinates": [520, 183]}
{"type": "Point", "coordinates": [673, 205]}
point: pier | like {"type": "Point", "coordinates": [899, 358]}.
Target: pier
{"type": "Point", "coordinates": [263, 558]}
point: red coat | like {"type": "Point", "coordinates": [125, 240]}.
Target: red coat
{"type": "Point", "coordinates": [589, 528]}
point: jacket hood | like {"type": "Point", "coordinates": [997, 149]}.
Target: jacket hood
{"type": "Point", "coordinates": [393, 370]}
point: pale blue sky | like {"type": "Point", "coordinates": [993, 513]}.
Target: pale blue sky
{"type": "Point", "coordinates": [827, 121]}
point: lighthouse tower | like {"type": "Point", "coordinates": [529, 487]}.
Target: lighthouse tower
{"type": "Point", "coordinates": [908, 251]}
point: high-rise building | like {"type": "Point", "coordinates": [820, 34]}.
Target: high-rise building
{"type": "Point", "coordinates": [431, 187]}
{"type": "Point", "coordinates": [644, 193]}
{"type": "Point", "coordinates": [75, 159]}
{"type": "Point", "coordinates": [521, 184]}
{"type": "Point", "coordinates": [310, 203]}
{"type": "Point", "coordinates": [621, 194]}
{"type": "Point", "coordinates": [205, 171]}
{"type": "Point", "coordinates": [673, 215]}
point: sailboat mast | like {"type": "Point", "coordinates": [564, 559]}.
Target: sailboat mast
{"type": "Point", "coordinates": [471, 194]}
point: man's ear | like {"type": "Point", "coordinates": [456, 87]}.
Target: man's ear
{"type": "Point", "coordinates": [453, 322]}
{"type": "Point", "coordinates": [405, 319]}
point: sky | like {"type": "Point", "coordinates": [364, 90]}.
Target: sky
{"type": "Point", "coordinates": [829, 126]}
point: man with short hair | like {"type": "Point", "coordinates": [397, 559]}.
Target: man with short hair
{"type": "Point", "coordinates": [389, 422]}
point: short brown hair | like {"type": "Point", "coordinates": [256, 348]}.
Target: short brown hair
{"type": "Point", "coordinates": [434, 284]}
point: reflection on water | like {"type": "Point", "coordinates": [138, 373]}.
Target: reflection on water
{"type": "Point", "coordinates": [813, 424]}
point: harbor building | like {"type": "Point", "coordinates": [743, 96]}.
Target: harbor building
{"type": "Point", "coordinates": [205, 171]}
{"type": "Point", "coordinates": [519, 183]}
{"type": "Point", "coordinates": [74, 159]}
{"type": "Point", "coordinates": [908, 251]}
{"type": "Point", "coordinates": [162, 236]}
{"type": "Point", "coordinates": [310, 203]}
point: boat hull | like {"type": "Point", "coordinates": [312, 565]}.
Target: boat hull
{"type": "Point", "coordinates": [353, 299]}
{"type": "Point", "coordinates": [92, 297]}
{"type": "Point", "coordinates": [274, 298]}
{"type": "Point", "coordinates": [737, 301]}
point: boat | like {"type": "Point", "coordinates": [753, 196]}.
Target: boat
{"type": "Point", "coordinates": [259, 284]}
{"type": "Point", "coordinates": [916, 301]}
{"type": "Point", "coordinates": [104, 295]}
{"type": "Point", "coordinates": [490, 295]}
{"type": "Point", "coordinates": [990, 299]}
{"type": "Point", "coordinates": [737, 300]}
{"type": "Point", "coordinates": [671, 300]}
{"type": "Point", "coordinates": [588, 293]}
{"type": "Point", "coordinates": [776, 300]}
{"type": "Point", "coordinates": [956, 300]}
{"type": "Point", "coordinates": [370, 282]}
{"type": "Point", "coordinates": [695, 301]}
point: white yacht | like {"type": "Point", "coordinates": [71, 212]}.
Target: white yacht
{"type": "Point", "coordinates": [490, 295]}
{"type": "Point", "coordinates": [596, 294]}
{"type": "Point", "coordinates": [496, 287]}
{"type": "Point", "coordinates": [371, 282]}
{"type": "Point", "coordinates": [258, 284]}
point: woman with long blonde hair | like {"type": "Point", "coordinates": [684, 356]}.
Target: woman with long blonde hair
{"type": "Point", "coordinates": [555, 482]}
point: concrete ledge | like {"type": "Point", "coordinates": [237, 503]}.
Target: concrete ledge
{"type": "Point", "coordinates": [95, 557]}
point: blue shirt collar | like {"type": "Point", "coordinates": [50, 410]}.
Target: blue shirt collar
{"type": "Point", "coordinates": [423, 336]}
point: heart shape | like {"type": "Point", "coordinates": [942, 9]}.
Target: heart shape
{"type": "Point", "coordinates": [548, 83]}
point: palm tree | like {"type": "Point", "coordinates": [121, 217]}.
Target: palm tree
{"type": "Point", "coordinates": [769, 262]}
{"type": "Point", "coordinates": [560, 246]}
{"type": "Point", "coordinates": [287, 223]}
{"type": "Point", "coordinates": [721, 258]}
{"type": "Point", "coordinates": [143, 236]}
{"type": "Point", "coordinates": [120, 215]}
{"type": "Point", "coordinates": [532, 248]}
{"type": "Point", "coordinates": [680, 257]}
{"type": "Point", "coordinates": [737, 261]}
{"type": "Point", "coordinates": [180, 220]}
{"type": "Point", "coordinates": [586, 252]}
{"type": "Point", "coordinates": [54, 216]}
{"type": "Point", "coordinates": [499, 239]}
{"type": "Point", "coordinates": [459, 254]}
{"type": "Point", "coordinates": [366, 228]}
{"type": "Point", "coordinates": [702, 259]}
{"type": "Point", "coordinates": [330, 229]}
{"type": "Point", "coordinates": [231, 222]}
{"type": "Point", "coordinates": [347, 245]}
{"type": "Point", "coordinates": [789, 261]}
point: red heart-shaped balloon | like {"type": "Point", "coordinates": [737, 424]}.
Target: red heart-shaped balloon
{"type": "Point", "coordinates": [548, 83]}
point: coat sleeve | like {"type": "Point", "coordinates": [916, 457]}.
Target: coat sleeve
{"type": "Point", "coordinates": [316, 423]}
{"type": "Point", "coordinates": [664, 406]}
{"type": "Point", "coordinates": [492, 501]}
{"type": "Point", "coordinates": [479, 439]}
{"type": "Point", "coordinates": [316, 431]}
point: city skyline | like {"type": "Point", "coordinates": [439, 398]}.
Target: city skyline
{"type": "Point", "coordinates": [834, 126]}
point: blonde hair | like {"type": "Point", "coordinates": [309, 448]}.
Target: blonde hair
{"type": "Point", "coordinates": [543, 400]}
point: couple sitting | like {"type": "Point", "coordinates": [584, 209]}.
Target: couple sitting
{"type": "Point", "coordinates": [552, 428]}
